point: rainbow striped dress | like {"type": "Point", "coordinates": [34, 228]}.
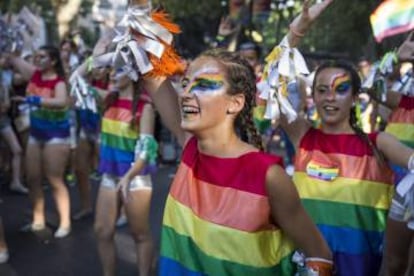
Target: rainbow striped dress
{"type": "Point", "coordinates": [118, 138]}
{"type": "Point", "coordinates": [46, 123]}
{"type": "Point", "coordinates": [401, 125]}
{"type": "Point", "coordinates": [401, 121]}
{"type": "Point", "coordinates": [217, 218]}
{"type": "Point", "coordinates": [347, 194]}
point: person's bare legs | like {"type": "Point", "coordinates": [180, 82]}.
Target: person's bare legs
{"type": "Point", "coordinates": [137, 210]}
{"type": "Point", "coordinates": [398, 238]}
{"type": "Point", "coordinates": [11, 139]}
{"type": "Point", "coordinates": [3, 244]}
{"type": "Point", "coordinates": [34, 169]}
{"type": "Point", "coordinates": [84, 161]}
{"type": "Point", "coordinates": [106, 213]}
{"type": "Point", "coordinates": [55, 158]}
{"type": "Point", "coordinates": [4, 254]}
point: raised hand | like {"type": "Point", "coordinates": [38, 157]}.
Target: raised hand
{"type": "Point", "coordinates": [226, 27]}
{"type": "Point", "coordinates": [302, 22]}
{"type": "Point", "coordinates": [310, 13]}
{"type": "Point", "coordinates": [123, 187]}
{"type": "Point", "coordinates": [103, 43]}
{"type": "Point", "coordinates": [406, 50]}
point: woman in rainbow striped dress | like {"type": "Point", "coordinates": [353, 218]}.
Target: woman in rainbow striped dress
{"type": "Point", "coordinates": [401, 125]}
{"type": "Point", "coordinates": [231, 210]}
{"type": "Point", "coordinates": [127, 124]}
{"type": "Point", "coordinates": [341, 173]}
{"type": "Point", "coordinates": [48, 144]}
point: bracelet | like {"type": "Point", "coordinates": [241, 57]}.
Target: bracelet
{"type": "Point", "coordinates": [295, 32]}
{"type": "Point", "coordinates": [89, 64]}
{"type": "Point", "coordinates": [320, 266]}
{"type": "Point", "coordinates": [220, 38]}
{"type": "Point", "coordinates": [33, 100]}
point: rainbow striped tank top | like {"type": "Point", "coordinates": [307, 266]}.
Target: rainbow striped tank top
{"type": "Point", "coordinates": [46, 123]}
{"type": "Point", "coordinates": [347, 194]}
{"type": "Point", "coordinates": [118, 138]}
{"type": "Point", "coordinates": [217, 218]}
{"type": "Point", "coordinates": [401, 121]}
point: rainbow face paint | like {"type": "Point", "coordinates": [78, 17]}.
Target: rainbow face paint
{"type": "Point", "coordinates": [340, 84]}
{"type": "Point", "coordinates": [203, 83]}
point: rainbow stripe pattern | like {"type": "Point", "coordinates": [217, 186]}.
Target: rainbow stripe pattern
{"type": "Point", "coordinates": [217, 218]}
{"type": "Point", "coordinates": [392, 17]}
{"type": "Point", "coordinates": [46, 123]}
{"type": "Point", "coordinates": [350, 209]}
{"type": "Point", "coordinates": [118, 138]}
{"type": "Point", "coordinates": [401, 125]}
{"type": "Point", "coordinates": [401, 121]}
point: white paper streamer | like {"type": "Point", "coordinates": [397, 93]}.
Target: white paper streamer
{"type": "Point", "coordinates": [80, 90]}
{"type": "Point", "coordinates": [137, 36]}
{"type": "Point", "coordinates": [289, 65]}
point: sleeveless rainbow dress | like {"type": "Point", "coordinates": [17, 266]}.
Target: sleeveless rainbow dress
{"type": "Point", "coordinates": [46, 123]}
{"type": "Point", "coordinates": [347, 194]}
{"type": "Point", "coordinates": [401, 125]}
{"type": "Point", "coordinates": [118, 138]}
{"type": "Point", "coordinates": [217, 218]}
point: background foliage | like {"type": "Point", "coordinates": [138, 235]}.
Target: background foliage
{"type": "Point", "coordinates": [343, 31]}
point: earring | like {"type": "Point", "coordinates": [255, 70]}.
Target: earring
{"type": "Point", "coordinates": [229, 112]}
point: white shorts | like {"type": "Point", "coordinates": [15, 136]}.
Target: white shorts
{"type": "Point", "coordinates": [54, 141]}
{"type": "Point", "coordinates": [140, 182]}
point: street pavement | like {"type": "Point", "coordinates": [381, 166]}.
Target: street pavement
{"type": "Point", "coordinates": [41, 254]}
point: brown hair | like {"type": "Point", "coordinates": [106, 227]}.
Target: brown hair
{"type": "Point", "coordinates": [356, 88]}
{"type": "Point", "coordinates": [241, 78]}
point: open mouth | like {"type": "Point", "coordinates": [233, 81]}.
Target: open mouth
{"type": "Point", "coordinates": [330, 108]}
{"type": "Point", "coordinates": [188, 110]}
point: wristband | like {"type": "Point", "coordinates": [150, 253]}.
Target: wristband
{"type": "Point", "coordinates": [220, 38]}
{"type": "Point", "coordinates": [295, 32]}
{"type": "Point", "coordinates": [33, 100]}
{"type": "Point", "coordinates": [89, 64]}
{"type": "Point", "coordinates": [319, 266]}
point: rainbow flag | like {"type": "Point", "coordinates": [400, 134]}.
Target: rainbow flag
{"type": "Point", "coordinates": [392, 17]}
{"type": "Point", "coordinates": [347, 194]}
{"type": "Point", "coordinates": [217, 219]}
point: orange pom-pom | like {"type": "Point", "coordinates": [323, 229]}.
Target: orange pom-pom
{"type": "Point", "coordinates": [169, 64]}
{"type": "Point", "coordinates": [163, 19]}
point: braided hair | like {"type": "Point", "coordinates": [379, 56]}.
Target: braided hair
{"type": "Point", "coordinates": [356, 88]}
{"type": "Point", "coordinates": [241, 79]}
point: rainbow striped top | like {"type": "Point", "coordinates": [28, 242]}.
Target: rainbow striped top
{"type": "Point", "coordinates": [118, 137]}
{"type": "Point", "coordinates": [46, 123]}
{"type": "Point", "coordinates": [217, 218]}
{"type": "Point", "coordinates": [401, 121]}
{"type": "Point", "coordinates": [347, 194]}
